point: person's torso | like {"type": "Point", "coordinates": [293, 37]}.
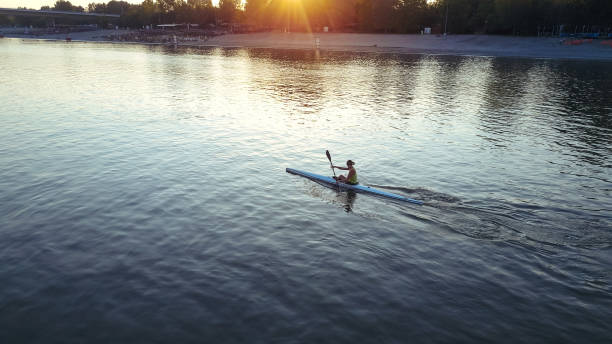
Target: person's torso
{"type": "Point", "coordinates": [353, 178]}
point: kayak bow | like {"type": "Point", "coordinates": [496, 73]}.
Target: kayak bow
{"type": "Point", "coordinates": [328, 181]}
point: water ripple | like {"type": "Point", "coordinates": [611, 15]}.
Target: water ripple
{"type": "Point", "coordinates": [144, 198]}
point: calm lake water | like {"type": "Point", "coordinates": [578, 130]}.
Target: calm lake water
{"type": "Point", "coordinates": [144, 198]}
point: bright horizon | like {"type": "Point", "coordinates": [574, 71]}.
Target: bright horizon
{"type": "Point", "coordinates": [37, 4]}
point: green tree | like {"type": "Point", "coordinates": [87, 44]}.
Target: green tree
{"type": "Point", "coordinates": [198, 4]}
{"type": "Point", "coordinates": [384, 15]}
{"type": "Point", "coordinates": [413, 16]}
{"type": "Point", "coordinates": [61, 5]}
{"type": "Point", "coordinates": [96, 8]}
{"type": "Point", "coordinates": [524, 17]}
{"type": "Point", "coordinates": [166, 6]}
{"type": "Point", "coordinates": [149, 12]}
{"type": "Point", "coordinates": [183, 12]}
{"type": "Point", "coordinates": [363, 11]}
{"type": "Point", "coordinates": [228, 9]}
{"type": "Point", "coordinates": [257, 12]}
{"type": "Point", "coordinates": [117, 7]}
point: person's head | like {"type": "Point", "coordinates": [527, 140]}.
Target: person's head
{"type": "Point", "coordinates": [350, 163]}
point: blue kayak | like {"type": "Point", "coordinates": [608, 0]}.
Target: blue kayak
{"type": "Point", "coordinates": [331, 182]}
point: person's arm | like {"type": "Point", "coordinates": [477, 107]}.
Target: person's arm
{"type": "Point", "coordinates": [341, 168]}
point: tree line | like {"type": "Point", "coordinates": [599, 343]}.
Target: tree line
{"type": "Point", "coordinates": [516, 17]}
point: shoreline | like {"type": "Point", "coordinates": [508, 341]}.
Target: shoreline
{"type": "Point", "coordinates": [457, 45]}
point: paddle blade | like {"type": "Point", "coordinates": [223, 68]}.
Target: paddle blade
{"type": "Point", "coordinates": [328, 155]}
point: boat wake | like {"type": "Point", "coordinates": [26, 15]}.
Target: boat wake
{"type": "Point", "coordinates": [428, 196]}
{"type": "Point", "coordinates": [543, 229]}
{"type": "Point", "coordinates": [539, 228]}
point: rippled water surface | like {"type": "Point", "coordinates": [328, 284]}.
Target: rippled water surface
{"type": "Point", "coordinates": [144, 198]}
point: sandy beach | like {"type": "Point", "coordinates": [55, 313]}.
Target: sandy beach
{"type": "Point", "coordinates": [477, 45]}
{"type": "Point", "coordinates": [471, 45]}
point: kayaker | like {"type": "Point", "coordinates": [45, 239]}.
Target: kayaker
{"type": "Point", "coordinates": [351, 177]}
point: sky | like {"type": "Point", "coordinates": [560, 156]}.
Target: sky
{"type": "Point", "coordinates": [37, 4]}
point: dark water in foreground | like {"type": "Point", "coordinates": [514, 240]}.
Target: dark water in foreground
{"type": "Point", "coordinates": [143, 197]}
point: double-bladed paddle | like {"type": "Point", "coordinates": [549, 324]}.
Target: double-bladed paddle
{"type": "Point", "coordinates": [332, 167]}
{"type": "Point", "coordinates": [330, 162]}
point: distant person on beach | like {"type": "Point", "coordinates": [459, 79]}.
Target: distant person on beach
{"type": "Point", "coordinates": [351, 177]}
